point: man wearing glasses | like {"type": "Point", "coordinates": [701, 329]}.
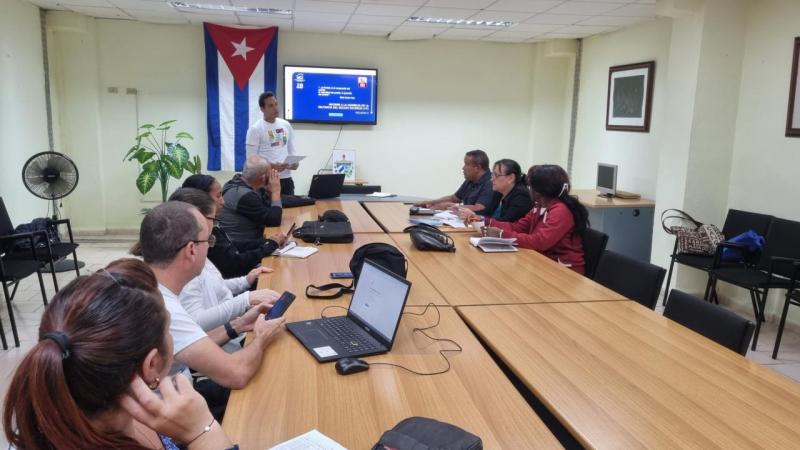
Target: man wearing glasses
{"type": "Point", "coordinates": [475, 192]}
{"type": "Point", "coordinates": [175, 238]}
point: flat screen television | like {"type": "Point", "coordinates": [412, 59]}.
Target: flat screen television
{"type": "Point", "coordinates": [607, 179]}
{"type": "Point", "coordinates": [333, 95]}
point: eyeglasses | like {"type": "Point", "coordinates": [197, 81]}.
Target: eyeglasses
{"type": "Point", "coordinates": [498, 175]}
{"type": "Point", "coordinates": [211, 241]}
{"type": "Point", "coordinates": [214, 220]}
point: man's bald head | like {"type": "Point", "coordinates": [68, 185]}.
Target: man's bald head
{"type": "Point", "coordinates": [255, 168]}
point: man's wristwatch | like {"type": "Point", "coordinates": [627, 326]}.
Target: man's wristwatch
{"type": "Point", "coordinates": [231, 332]}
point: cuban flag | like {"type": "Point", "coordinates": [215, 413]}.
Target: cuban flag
{"type": "Point", "coordinates": [241, 63]}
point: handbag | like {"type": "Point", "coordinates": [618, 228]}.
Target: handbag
{"type": "Point", "coordinates": [693, 237]}
{"type": "Point", "coordinates": [422, 433]}
{"type": "Point", "coordinates": [427, 237]}
{"type": "Point", "coordinates": [384, 255]}
{"type": "Point", "coordinates": [325, 232]}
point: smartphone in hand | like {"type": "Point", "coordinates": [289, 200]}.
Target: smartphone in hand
{"type": "Point", "coordinates": [280, 306]}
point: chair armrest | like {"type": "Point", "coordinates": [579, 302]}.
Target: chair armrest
{"type": "Point", "coordinates": [20, 236]}
{"type": "Point", "coordinates": [782, 260]}
{"type": "Point", "coordinates": [724, 245]}
{"type": "Point", "coordinates": [69, 227]}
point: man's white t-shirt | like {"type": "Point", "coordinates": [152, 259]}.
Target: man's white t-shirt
{"type": "Point", "coordinates": [274, 141]}
{"type": "Point", "coordinates": [183, 329]}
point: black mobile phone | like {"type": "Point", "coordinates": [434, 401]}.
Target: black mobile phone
{"type": "Point", "coordinates": [339, 275]}
{"type": "Point", "coordinates": [280, 306]}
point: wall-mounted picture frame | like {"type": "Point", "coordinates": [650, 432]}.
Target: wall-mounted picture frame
{"type": "Point", "coordinates": [344, 161]}
{"type": "Point", "coordinates": [630, 97]}
{"type": "Point", "coordinates": [793, 114]}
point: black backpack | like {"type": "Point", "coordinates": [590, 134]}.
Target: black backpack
{"type": "Point", "coordinates": [333, 227]}
{"type": "Point", "coordinates": [422, 433]}
{"type": "Point", "coordinates": [384, 255]}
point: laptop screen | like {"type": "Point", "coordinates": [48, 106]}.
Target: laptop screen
{"type": "Point", "coordinates": [379, 299]}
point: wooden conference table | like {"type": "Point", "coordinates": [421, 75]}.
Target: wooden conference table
{"type": "Point", "coordinates": [393, 217]}
{"type": "Point", "coordinates": [612, 372]}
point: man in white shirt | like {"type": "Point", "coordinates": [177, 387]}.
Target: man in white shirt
{"type": "Point", "coordinates": [273, 138]}
{"type": "Point", "coordinates": [174, 239]}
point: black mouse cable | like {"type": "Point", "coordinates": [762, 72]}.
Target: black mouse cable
{"type": "Point", "coordinates": [322, 314]}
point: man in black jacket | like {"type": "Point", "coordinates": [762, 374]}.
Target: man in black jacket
{"type": "Point", "coordinates": [248, 206]}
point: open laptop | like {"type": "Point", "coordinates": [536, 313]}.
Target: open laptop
{"type": "Point", "coordinates": [370, 326]}
{"type": "Point", "coordinates": [326, 185]}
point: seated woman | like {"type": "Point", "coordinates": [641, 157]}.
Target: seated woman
{"type": "Point", "coordinates": [211, 300]}
{"type": "Point", "coordinates": [556, 223]}
{"type": "Point", "coordinates": [512, 199]}
{"type": "Point", "coordinates": [232, 260]}
{"type": "Point", "coordinates": [103, 341]}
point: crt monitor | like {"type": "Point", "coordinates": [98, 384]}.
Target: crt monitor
{"type": "Point", "coordinates": [606, 179]}
{"type": "Point", "coordinates": [333, 95]}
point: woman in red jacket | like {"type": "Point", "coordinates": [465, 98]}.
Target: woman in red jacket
{"type": "Point", "coordinates": [555, 224]}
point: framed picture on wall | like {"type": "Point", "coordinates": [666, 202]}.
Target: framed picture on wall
{"type": "Point", "coordinates": [630, 97]}
{"type": "Point", "coordinates": [793, 116]}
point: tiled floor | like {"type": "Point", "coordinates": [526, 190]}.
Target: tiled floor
{"type": "Point", "coordinates": [98, 252]}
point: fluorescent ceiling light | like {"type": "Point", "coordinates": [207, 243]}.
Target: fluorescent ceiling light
{"type": "Point", "coordinates": [462, 22]}
{"type": "Point", "coordinates": [240, 9]}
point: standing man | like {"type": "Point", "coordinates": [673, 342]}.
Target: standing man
{"type": "Point", "coordinates": [273, 138]}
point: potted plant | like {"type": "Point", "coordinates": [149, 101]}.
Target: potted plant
{"type": "Point", "coordinates": [159, 158]}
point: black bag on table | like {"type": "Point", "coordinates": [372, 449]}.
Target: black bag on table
{"type": "Point", "coordinates": [333, 227]}
{"type": "Point", "coordinates": [384, 255]}
{"type": "Point", "coordinates": [421, 433]}
{"type": "Point", "coordinates": [427, 237]}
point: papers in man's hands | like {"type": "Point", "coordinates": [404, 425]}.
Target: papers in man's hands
{"type": "Point", "coordinates": [293, 159]}
{"type": "Point", "coordinates": [494, 245]}
{"type": "Point", "coordinates": [313, 440]}
{"type": "Point", "coordinates": [292, 250]}
{"type": "Point", "coordinates": [450, 219]}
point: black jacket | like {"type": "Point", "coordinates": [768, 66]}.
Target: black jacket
{"type": "Point", "coordinates": [237, 260]}
{"type": "Point", "coordinates": [247, 211]}
{"type": "Point", "coordinates": [513, 207]}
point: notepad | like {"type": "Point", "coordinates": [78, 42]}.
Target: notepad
{"type": "Point", "coordinates": [494, 245]}
{"type": "Point", "coordinates": [292, 250]}
{"type": "Point", "coordinates": [313, 440]}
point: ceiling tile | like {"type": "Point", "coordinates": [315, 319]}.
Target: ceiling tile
{"type": "Point", "coordinates": [502, 36]}
{"type": "Point", "coordinates": [468, 4]}
{"type": "Point", "coordinates": [396, 2]}
{"type": "Point", "coordinates": [376, 20]}
{"type": "Point", "coordinates": [586, 8]}
{"type": "Point", "coordinates": [621, 2]}
{"type": "Point", "coordinates": [585, 29]}
{"type": "Point", "coordinates": [305, 16]}
{"type": "Point", "coordinates": [385, 10]}
{"type": "Point", "coordinates": [612, 20]}
{"type": "Point", "coordinates": [533, 28]}
{"type": "Point", "coordinates": [317, 27]}
{"type": "Point", "coordinates": [227, 19]}
{"type": "Point", "coordinates": [265, 20]}
{"type": "Point", "coordinates": [562, 36]}
{"type": "Point", "coordinates": [533, 6]}
{"type": "Point", "coordinates": [158, 18]}
{"type": "Point", "coordinates": [277, 4]}
{"type": "Point", "coordinates": [47, 4]}
{"type": "Point", "coordinates": [86, 3]}
{"type": "Point", "coordinates": [445, 13]}
{"type": "Point", "coordinates": [324, 7]}
{"type": "Point", "coordinates": [636, 10]}
{"type": "Point", "coordinates": [142, 5]}
{"type": "Point", "coordinates": [556, 19]}
{"type": "Point", "coordinates": [106, 13]}
{"type": "Point", "coordinates": [465, 33]}
{"type": "Point", "coordinates": [510, 16]}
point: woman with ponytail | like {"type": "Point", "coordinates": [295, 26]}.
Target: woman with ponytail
{"type": "Point", "coordinates": [88, 383]}
{"type": "Point", "coordinates": [556, 223]}
{"type": "Point", "coordinates": [511, 201]}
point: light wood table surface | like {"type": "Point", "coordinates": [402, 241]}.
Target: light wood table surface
{"type": "Point", "coordinates": [618, 375]}
{"type": "Point", "coordinates": [292, 393]}
{"type": "Point", "coordinates": [471, 277]}
{"type": "Point", "coordinates": [393, 217]}
{"type": "Point", "coordinates": [360, 220]}
{"type": "Point", "coordinates": [294, 274]}
{"type": "Point", "coordinates": [590, 199]}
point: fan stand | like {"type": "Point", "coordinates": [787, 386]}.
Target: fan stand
{"type": "Point", "coordinates": [62, 265]}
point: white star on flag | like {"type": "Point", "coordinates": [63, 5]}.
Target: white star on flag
{"type": "Point", "coordinates": [241, 49]}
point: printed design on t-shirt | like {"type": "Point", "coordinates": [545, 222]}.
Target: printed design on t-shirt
{"type": "Point", "coordinates": [277, 137]}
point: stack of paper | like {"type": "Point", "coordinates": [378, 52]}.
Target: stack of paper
{"type": "Point", "coordinates": [448, 218]}
{"type": "Point", "coordinates": [292, 250]}
{"type": "Point", "coordinates": [313, 440]}
{"type": "Point", "coordinates": [494, 245]}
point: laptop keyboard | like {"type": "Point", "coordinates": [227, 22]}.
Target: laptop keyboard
{"type": "Point", "coordinates": [344, 333]}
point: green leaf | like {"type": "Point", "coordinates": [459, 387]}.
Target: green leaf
{"type": "Point", "coordinates": [165, 124]}
{"type": "Point", "coordinates": [147, 126]}
{"type": "Point", "coordinates": [130, 152]}
{"type": "Point", "coordinates": [145, 181]}
{"type": "Point", "coordinates": [183, 135]}
{"type": "Point", "coordinates": [178, 153]}
{"type": "Point", "coordinates": [143, 156]}
{"type": "Point", "coordinates": [143, 135]}
{"type": "Point", "coordinates": [152, 166]}
{"type": "Point", "coordinates": [197, 166]}
{"type": "Point", "coordinates": [173, 169]}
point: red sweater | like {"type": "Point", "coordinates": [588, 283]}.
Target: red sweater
{"type": "Point", "coordinates": [548, 231]}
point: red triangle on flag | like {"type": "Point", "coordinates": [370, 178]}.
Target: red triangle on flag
{"type": "Point", "coordinates": [241, 48]}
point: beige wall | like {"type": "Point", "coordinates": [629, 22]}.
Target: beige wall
{"type": "Point", "coordinates": [23, 114]}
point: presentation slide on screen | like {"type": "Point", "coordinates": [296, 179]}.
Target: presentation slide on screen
{"type": "Point", "coordinates": [330, 95]}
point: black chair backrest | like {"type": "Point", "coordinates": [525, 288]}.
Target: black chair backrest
{"type": "Point", "coordinates": [6, 227]}
{"type": "Point", "coordinates": [739, 221]}
{"type": "Point", "coordinates": [594, 243]}
{"type": "Point", "coordinates": [712, 321]}
{"type": "Point", "coordinates": [637, 280]}
{"type": "Point", "coordinates": [783, 239]}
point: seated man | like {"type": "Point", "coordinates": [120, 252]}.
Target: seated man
{"type": "Point", "coordinates": [248, 207]}
{"type": "Point", "coordinates": [476, 191]}
{"type": "Point", "coordinates": [174, 239]}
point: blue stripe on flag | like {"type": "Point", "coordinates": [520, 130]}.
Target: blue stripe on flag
{"type": "Point", "coordinates": [241, 122]}
{"type": "Point", "coordinates": [212, 105]}
{"type": "Point", "coordinates": [271, 65]}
